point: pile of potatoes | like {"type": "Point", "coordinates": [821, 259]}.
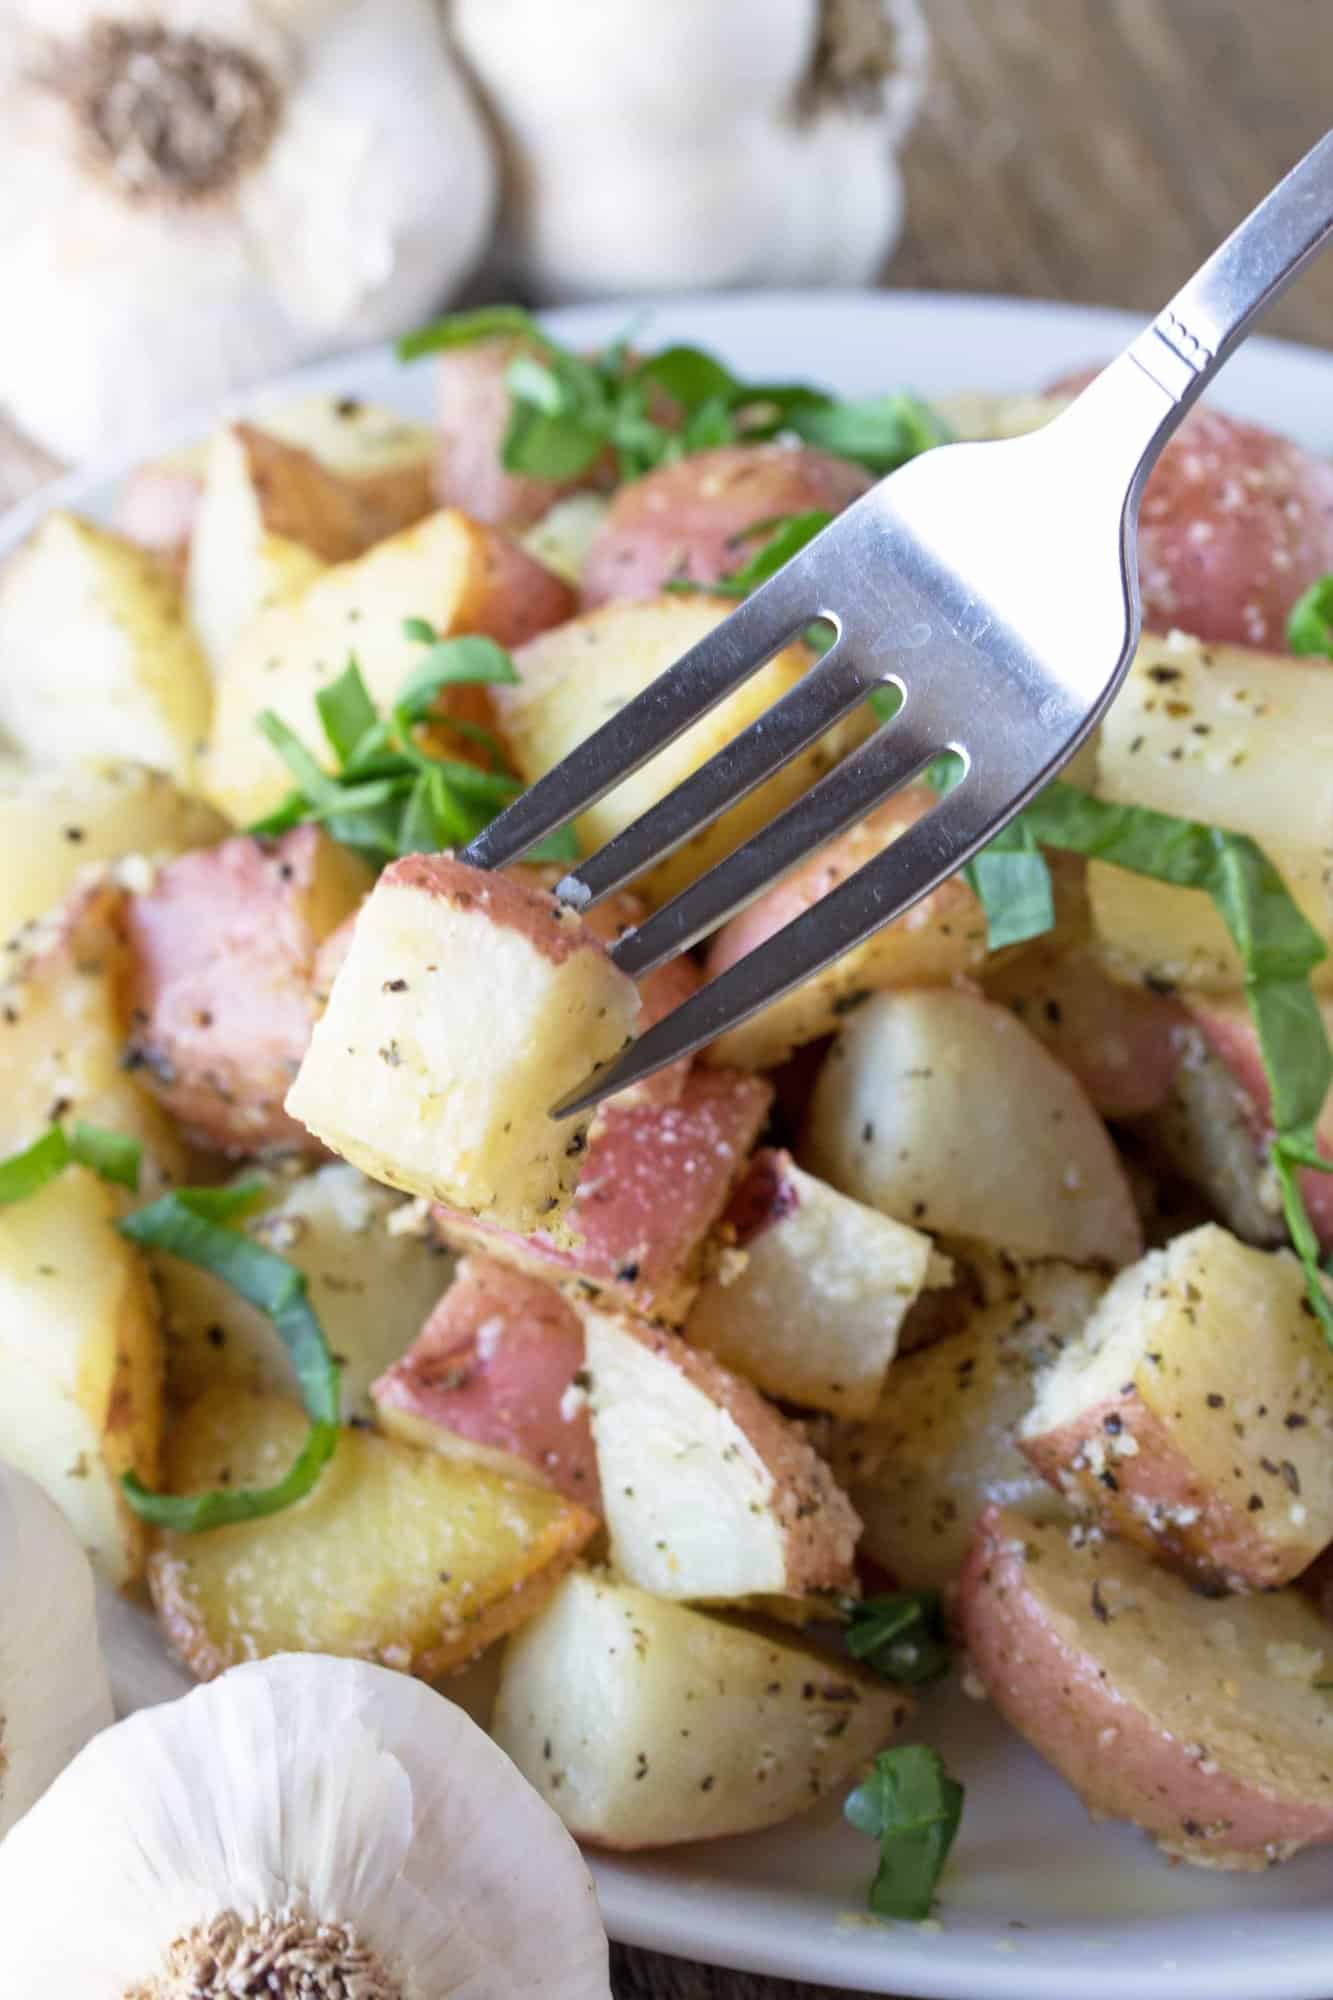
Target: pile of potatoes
{"type": "Point", "coordinates": [950, 1271]}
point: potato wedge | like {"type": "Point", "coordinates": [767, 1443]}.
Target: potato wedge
{"type": "Point", "coordinates": [643, 1724]}
{"type": "Point", "coordinates": [398, 1556]}
{"type": "Point", "coordinates": [1234, 738]}
{"type": "Point", "coordinates": [446, 569]}
{"type": "Point", "coordinates": [942, 937]}
{"type": "Point", "coordinates": [472, 404]}
{"type": "Point", "coordinates": [224, 946]}
{"type": "Point", "coordinates": [1209, 1134]}
{"type": "Point", "coordinates": [58, 819]}
{"type": "Point", "coordinates": [97, 658]}
{"type": "Point", "coordinates": [941, 1109]}
{"type": "Point", "coordinates": [494, 1377]}
{"type": "Point", "coordinates": [1197, 1719]}
{"type": "Point", "coordinates": [942, 1445]}
{"type": "Point", "coordinates": [466, 1006]}
{"type": "Point", "coordinates": [371, 1285]}
{"type": "Point", "coordinates": [382, 455]}
{"type": "Point", "coordinates": [809, 1289]}
{"type": "Point", "coordinates": [1194, 1413]}
{"type": "Point", "coordinates": [654, 1182]}
{"type": "Point", "coordinates": [64, 1019]}
{"type": "Point", "coordinates": [708, 1492]}
{"type": "Point", "coordinates": [80, 1363]}
{"type": "Point", "coordinates": [571, 679]}
{"type": "Point", "coordinates": [264, 504]}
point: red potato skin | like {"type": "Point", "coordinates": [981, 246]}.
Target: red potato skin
{"type": "Point", "coordinates": [492, 1365]}
{"type": "Point", "coordinates": [472, 415]}
{"type": "Point", "coordinates": [1124, 1043]}
{"type": "Point", "coordinates": [656, 1180]}
{"type": "Point", "coordinates": [1157, 1500]}
{"type": "Point", "coordinates": [223, 994]}
{"type": "Point", "coordinates": [685, 520]}
{"type": "Point", "coordinates": [156, 507]}
{"type": "Point", "coordinates": [1236, 523]}
{"type": "Point", "coordinates": [1053, 1695]}
{"type": "Point", "coordinates": [1230, 1034]}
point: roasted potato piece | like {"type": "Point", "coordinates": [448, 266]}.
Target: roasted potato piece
{"type": "Point", "coordinates": [1204, 1722]}
{"type": "Point", "coordinates": [1209, 1135]}
{"type": "Point", "coordinates": [643, 1723]}
{"type": "Point", "coordinates": [564, 534]}
{"type": "Point", "coordinates": [708, 1492]}
{"type": "Point", "coordinates": [809, 1289]}
{"type": "Point", "coordinates": [96, 656]}
{"type": "Point", "coordinates": [371, 1285]}
{"type": "Point", "coordinates": [941, 1109]}
{"type": "Point", "coordinates": [472, 405]}
{"type": "Point", "coordinates": [156, 506]}
{"type": "Point", "coordinates": [1194, 1413]}
{"type": "Point", "coordinates": [943, 936]}
{"type": "Point", "coordinates": [466, 1006]}
{"type": "Point", "coordinates": [224, 950]}
{"type": "Point", "coordinates": [57, 819]}
{"type": "Point", "coordinates": [942, 1444]}
{"type": "Point", "coordinates": [80, 1363]}
{"type": "Point", "coordinates": [689, 519]}
{"type": "Point", "coordinates": [446, 569]}
{"type": "Point", "coordinates": [398, 1556]}
{"type": "Point", "coordinates": [491, 1378]}
{"type": "Point", "coordinates": [385, 458]}
{"type": "Point", "coordinates": [654, 1182]}
{"type": "Point", "coordinates": [64, 1017]}
{"type": "Point", "coordinates": [1236, 739]}
{"type": "Point", "coordinates": [571, 679]}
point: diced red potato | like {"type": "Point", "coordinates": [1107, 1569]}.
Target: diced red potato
{"type": "Point", "coordinates": [655, 1181]}
{"type": "Point", "coordinates": [1206, 1138]}
{"type": "Point", "coordinates": [808, 1290]}
{"type": "Point", "coordinates": [225, 944]}
{"type": "Point", "coordinates": [943, 936]}
{"type": "Point", "coordinates": [1228, 1028]}
{"type": "Point", "coordinates": [689, 520]}
{"type": "Point", "coordinates": [1194, 1412]}
{"type": "Point", "coordinates": [472, 414]}
{"type": "Point", "coordinates": [1236, 522]}
{"type": "Point", "coordinates": [491, 1377]}
{"type": "Point", "coordinates": [1206, 1722]}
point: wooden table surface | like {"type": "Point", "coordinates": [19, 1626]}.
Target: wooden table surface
{"type": "Point", "coordinates": [1087, 150]}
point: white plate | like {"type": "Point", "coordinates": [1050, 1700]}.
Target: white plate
{"type": "Point", "coordinates": [1038, 1903]}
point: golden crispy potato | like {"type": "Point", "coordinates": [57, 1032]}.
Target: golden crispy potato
{"type": "Point", "coordinates": [398, 1556]}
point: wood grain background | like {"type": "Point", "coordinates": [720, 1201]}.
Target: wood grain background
{"type": "Point", "coordinates": [1086, 150]}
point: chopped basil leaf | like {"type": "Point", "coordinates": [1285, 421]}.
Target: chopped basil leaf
{"type": "Point", "coordinates": [562, 845]}
{"type": "Point", "coordinates": [912, 1807]}
{"type": "Point", "coordinates": [346, 712]}
{"type": "Point", "coordinates": [1012, 883]}
{"type": "Point", "coordinates": [463, 329]}
{"type": "Point", "coordinates": [901, 1636]}
{"type": "Point", "coordinates": [1310, 621]}
{"type": "Point", "coordinates": [112, 1156]}
{"type": "Point", "coordinates": [195, 1225]}
{"type": "Point", "coordinates": [783, 537]}
{"type": "Point", "coordinates": [471, 659]}
{"type": "Point", "coordinates": [881, 432]}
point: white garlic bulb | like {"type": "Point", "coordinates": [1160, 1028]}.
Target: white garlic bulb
{"type": "Point", "coordinates": [195, 194]}
{"type": "Point", "coordinates": [53, 1685]}
{"type": "Point", "coordinates": [305, 1825]}
{"type": "Point", "coordinates": [751, 143]}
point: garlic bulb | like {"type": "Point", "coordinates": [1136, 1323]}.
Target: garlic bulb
{"type": "Point", "coordinates": [751, 143]}
{"type": "Point", "coordinates": [303, 1825]}
{"type": "Point", "coordinates": [197, 193]}
{"type": "Point", "coordinates": [53, 1685]}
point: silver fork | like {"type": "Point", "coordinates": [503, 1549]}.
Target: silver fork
{"type": "Point", "coordinates": [993, 585]}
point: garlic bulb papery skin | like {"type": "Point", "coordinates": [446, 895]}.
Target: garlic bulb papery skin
{"type": "Point", "coordinates": [196, 194]}
{"type": "Point", "coordinates": [303, 1825]}
{"type": "Point", "coordinates": [751, 143]}
{"type": "Point", "coordinates": [54, 1694]}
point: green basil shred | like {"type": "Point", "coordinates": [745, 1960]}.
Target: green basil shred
{"type": "Point", "coordinates": [912, 1807]}
{"type": "Point", "coordinates": [386, 795]}
{"type": "Point", "coordinates": [901, 1636]}
{"type": "Point", "coordinates": [567, 410]}
{"type": "Point", "coordinates": [1310, 620]}
{"type": "Point", "coordinates": [111, 1155]}
{"type": "Point", "coordinates": [195, 1224]}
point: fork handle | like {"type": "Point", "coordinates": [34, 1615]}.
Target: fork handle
{"type": "Point", "coordinates": [1191, 338]}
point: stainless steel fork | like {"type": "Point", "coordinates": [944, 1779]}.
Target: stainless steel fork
{"type": "Point", "coordinates": [993, 585]}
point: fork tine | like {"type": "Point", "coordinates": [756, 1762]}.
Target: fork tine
{"type": "Point", "coordinates": [893, 756]}
{"type": "Point", "coordinates": [877, 893]}
{"type": "Point", "coordinates": [701, 678]}
{"type": "Point", "coordinates": [831, 688]}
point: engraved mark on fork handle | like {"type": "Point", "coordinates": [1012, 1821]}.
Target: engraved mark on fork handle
{"type": "Point", "coordinates": [1171, 355]}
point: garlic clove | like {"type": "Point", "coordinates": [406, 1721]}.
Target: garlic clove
{"type": "Point", "coordinates": [346, 1821]}
{"type": "Point", "coordinates": [53, 1686]}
